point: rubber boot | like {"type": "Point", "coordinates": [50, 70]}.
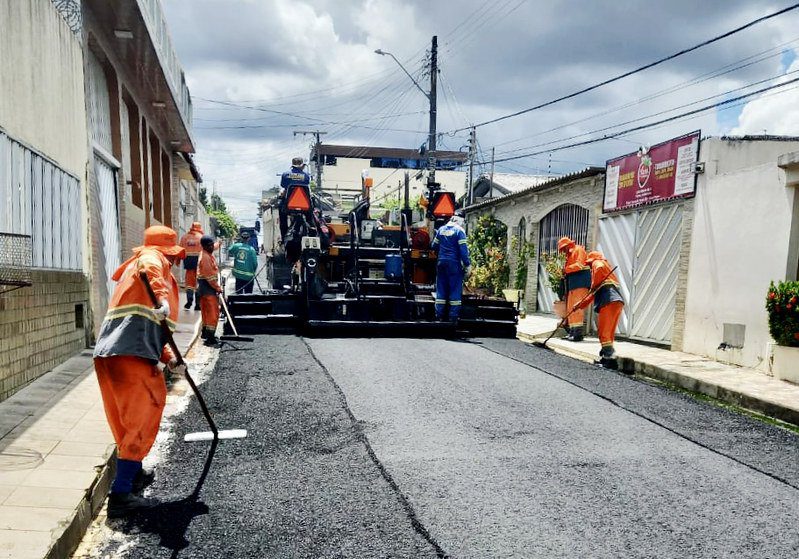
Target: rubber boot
{"type": "Point", "coordinates": [607, 358]}
{"type": "Point", "coordinates": [189, 299]}
{"type": "Point", "coordinates": [122, 501]}
{"type": "Point", "coordinates": [142, 480]}
{"type": "Point", "coordinates": [211, 339]}
{"type": "Point", "coordinates": [576, 334]}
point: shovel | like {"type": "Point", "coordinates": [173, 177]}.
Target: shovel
{"type": "Point", "coordinates": [214, 434]}
{"type": "Point", "coordinates": [563, 322]}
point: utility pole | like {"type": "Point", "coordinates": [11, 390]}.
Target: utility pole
{"type": "Point", "coordinates": [431, 141]}
{"type": "Point", "coordinates": [472, 151]}
{"type": "Point", "coordinates": [316, 134]}
{"type": "Point", "coordinates": [491, 186]}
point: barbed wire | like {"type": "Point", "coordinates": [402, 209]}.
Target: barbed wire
{"type": "Point", "coordinates": [71, 12]}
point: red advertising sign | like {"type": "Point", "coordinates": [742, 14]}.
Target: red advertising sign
{"type": "Point", "coordinates": [664, 172]}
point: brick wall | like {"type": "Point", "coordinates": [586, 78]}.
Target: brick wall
{"type": "Point", "coordinates": [586, 192]}
{"type": "Point", "coordinates": [37, 327]}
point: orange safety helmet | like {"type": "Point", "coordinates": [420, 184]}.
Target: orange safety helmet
{"type": "Point", "coordinates": [196, 226]}
{"type": "Point", "coordinates": [565, 243]}
{"type": "Point", "coordinates": [163, 239]}
{"type": "Point", "coordinates": [594, 255]}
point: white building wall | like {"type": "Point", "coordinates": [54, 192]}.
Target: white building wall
{"type": "Point", "coordinates": [41, 88]}
{"type": "Point", "coordinates": [740, 239]}
{"type": "Point", "coordinates": [345, 178]}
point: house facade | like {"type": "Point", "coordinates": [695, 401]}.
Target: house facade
{"type": "Point", "coordinates": [694, 270]}
{"type": "Point", "coordinates": [343, 166]}
{"type": "Point", "coordinates": [95, 144]}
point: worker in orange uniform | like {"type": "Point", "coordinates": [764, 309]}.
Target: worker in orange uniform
{"type": "Point", "coordinates": [129, 346]}
{"type": "Point", "coordinates": [191, 243]}
{"type": "Point", "coordinates": [208, 290]}
{"type": "Point", "coordinates": [578, 280]}
{"type": "Point", "coordinates": [608, 304]}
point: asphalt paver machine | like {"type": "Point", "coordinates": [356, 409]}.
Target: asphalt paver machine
{"type": "Point", "coordinates": [358, 276]}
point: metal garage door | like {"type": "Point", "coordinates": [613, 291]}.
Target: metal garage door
{"type": "Point", "coordinates": [566, 220]}
{"type": "Point", "coordinates": [646, 247]}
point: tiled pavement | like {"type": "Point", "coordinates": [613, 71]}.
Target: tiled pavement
{"type": "Point", "coordinates": [55, 457]}
{"type": "Point", "coordinates": [746, 388]}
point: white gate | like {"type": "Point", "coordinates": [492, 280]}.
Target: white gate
{"type": "Point", "coordinates": [109, 217]}
{"type": "Point", "coordinates": [645, 245]}
{"type": "Point", "coordinates": [567, 220]}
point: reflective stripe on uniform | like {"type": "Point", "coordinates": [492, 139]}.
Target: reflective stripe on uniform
{"type": "Point", "coordinates": [137, 310]}
{"type": "Point", "coordinates": [455, 303]}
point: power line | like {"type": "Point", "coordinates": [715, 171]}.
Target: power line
{"type": "Point", "coordinates": [652, 124]}
{"type": "Point", "coordinates": [725, 93]}
{"type": "Point", "coordinates": [637, 70]}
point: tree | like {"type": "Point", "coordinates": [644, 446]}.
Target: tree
{"type": "Point", "coordinates": [217, 209]}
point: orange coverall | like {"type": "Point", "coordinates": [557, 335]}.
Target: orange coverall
{"type": "Point", "coordinates": [129, 346]}
{"type": "Point", "coordinates": [208, 290]}
{"type": "Point", "coordinates": [607, 300]}
{"type": "Point", "coordinates": [577, 282]}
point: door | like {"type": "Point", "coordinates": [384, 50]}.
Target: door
{"type": "Point", "coordinates": [109, 218]}
{"type": "Point", "coordinates": [645, 245]}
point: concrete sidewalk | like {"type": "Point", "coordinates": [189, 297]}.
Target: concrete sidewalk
{"type": "Point", "coordinates": [739, 386]}
{"type": "Point", "coordinates": [56, 454]}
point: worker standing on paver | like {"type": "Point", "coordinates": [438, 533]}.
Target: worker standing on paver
{"type": "Point", "coordinates": [578, 280]}
{"type": "Point", "coordinates": [130, 344]}
{"type": "Point", "coordinates": [208, 290]}
{"type": "Point", "coordinates": [453, 264]}
{"type": "Point", "coordinates": [191, 243]}
{"type": "Point", "coordinates": [608, 304]}
{"type": "Point", "coordinates": [245, 263]}
{"type": "Point", "coordinates": [295, 175]}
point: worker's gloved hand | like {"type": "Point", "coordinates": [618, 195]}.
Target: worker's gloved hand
{"type": "Point", "coordinates": [177, 370]}
{"type": "Point", "coordinates": [163, 310]}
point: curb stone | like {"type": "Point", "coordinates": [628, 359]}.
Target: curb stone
{"type": "Point", "coordinates": [91, 504]}
{"type": "Point", "coordinates": [736, 398]}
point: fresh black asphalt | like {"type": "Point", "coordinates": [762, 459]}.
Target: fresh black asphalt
{"type": "Point", "coordinates": [475, 448]}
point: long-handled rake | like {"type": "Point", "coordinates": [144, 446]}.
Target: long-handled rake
{"type": "Point", "coordinates": [236, 337]}
{"type": "Point", "coordinates": [214, 434]}
{"type": "Point", "coordinates": [565, 319]}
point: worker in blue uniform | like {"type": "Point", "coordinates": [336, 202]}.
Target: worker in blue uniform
{"type": "Point", "coordinates": [453, 264]}
{"type": "Point", "coordinates": [295, 175]}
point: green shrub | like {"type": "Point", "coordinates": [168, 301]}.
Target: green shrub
{"type": "Point", "coordinates": [525, 251]}
{"type": "Point", "coordinates": [554, 263]}
{"type": "Point", "coordinates": [487, 244]}
{"type": "Point", "coordinates": [782, 304]}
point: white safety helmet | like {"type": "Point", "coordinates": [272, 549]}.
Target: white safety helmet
{"type": "Point", "coordinates": [457, 220]}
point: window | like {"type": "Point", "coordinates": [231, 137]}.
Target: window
{"type": "Point", "coordinates": [40, 199]}
{"type": "Point", "coordinates": [137, 184]}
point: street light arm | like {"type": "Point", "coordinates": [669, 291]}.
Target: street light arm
{"type": "Point", "coordinates": [384, 53]}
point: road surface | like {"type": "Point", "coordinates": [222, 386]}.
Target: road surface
{"type": "Point", "coordinates": [472, 448]}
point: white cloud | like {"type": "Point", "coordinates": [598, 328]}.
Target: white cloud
{"type": "Point", "coordinates": [774, 113]}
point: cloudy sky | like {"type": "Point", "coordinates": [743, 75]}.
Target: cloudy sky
{"type": "Point", "coordinates": [260, 69]}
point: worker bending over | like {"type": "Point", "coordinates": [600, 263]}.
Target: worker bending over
{"type": "Point", "coordinates": [208, 290]}
{"type": "Point", "coordinates": [453, 263]}
{"type": "Point", "coordinates": [245, 263]}
{"type": "Point", "coordinates": [129, 346]}
{"type": "Point", "coordinates": [578, 280]}
{"type": "Point", "coordinates": [191, 243]}
{"type": "Point", "coordinates": [608, 304]}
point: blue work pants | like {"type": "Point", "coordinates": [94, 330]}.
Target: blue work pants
{"type": "Point", "coordinates": [449, 287]}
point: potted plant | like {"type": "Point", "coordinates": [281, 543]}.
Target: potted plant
{"type": "Point", "coordinates": [782, 305]}
{"type": "Point", "coordinates": [553, 264]}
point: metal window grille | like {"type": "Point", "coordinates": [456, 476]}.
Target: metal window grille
{"type": "Point", "coordinates": [41, 201]}
{"type": "Point", "coordinates": [15, 261]}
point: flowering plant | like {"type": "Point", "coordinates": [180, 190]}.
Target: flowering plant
{"type": "Point", "coordinates": [782, 305]}
{"type": "Point", "coordinates": [553, 264]}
